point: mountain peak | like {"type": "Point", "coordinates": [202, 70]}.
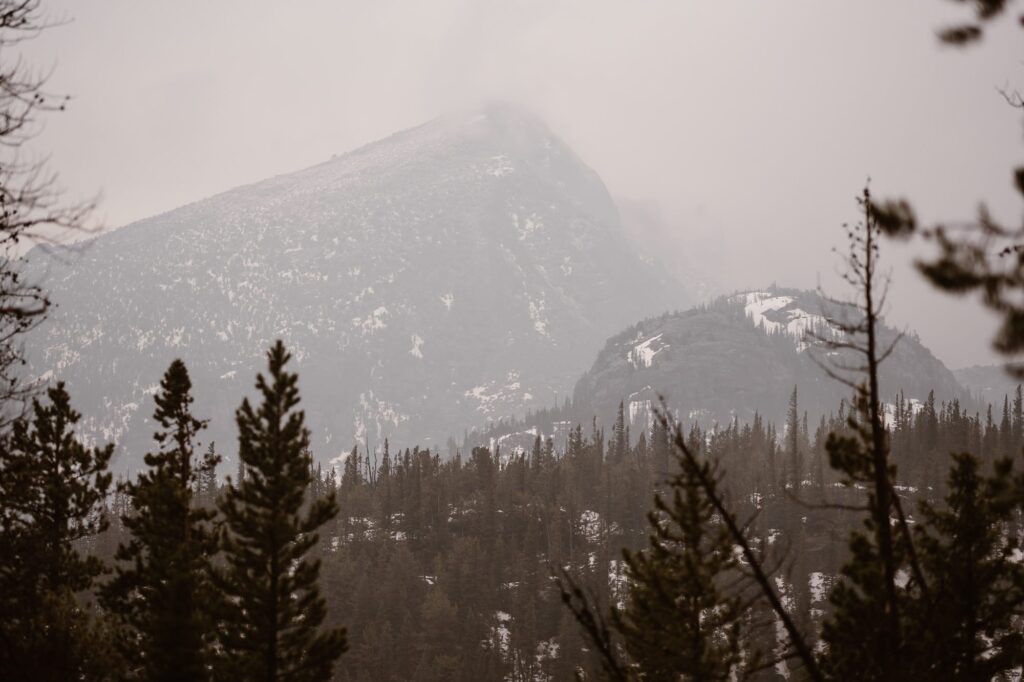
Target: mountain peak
{"type": "Point", "coordinates": [449, 274]}
{"type": "Point", "coordinates": [497, 131]}
{"type": "Point", "coordinates": [495, 115]}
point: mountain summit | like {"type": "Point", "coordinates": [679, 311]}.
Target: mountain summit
{"type": "Point", "coordinates": [456, 272]}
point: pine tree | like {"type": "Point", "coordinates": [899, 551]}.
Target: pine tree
{"type": "Point", "coordinates": [162, 590]}
{"type": "Point", "coordinates": [678, 623]}
{"type": "Point", "coordinates": [536, 454]}
{"type": "Point", "coordinates": [621, 440]}
{"type": "Point", "coordinates": [207, 484]}
{"type": "Point", "coordinates": [660, 452]}
{"type": "Point", "coordinates": [991, 440]}
{"type": "Point", "coordinates": [687, 610]}
{"type": "Point", "coordinates": [865, 636]}
{"type": "Point", "coordinates": [1017, 427]}
{"type": "Point", "coordinates": [969, 629]}
{"type": "Point", "coordinates": [52, 488]}
{"type": "Point", "coordinates": [858, 646]}
{"type": "Point", "coordinates": [271, 629]}
{"type": "Point", "coordinates": [793, 442]}
{"type": "Point", "coordinates": [1005, 430]}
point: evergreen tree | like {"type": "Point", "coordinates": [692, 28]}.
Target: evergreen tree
{"type": "Point", "coordinates": [162, 589]}
{"type": "Point", "coordinates": [536, 454]}
{"type": "Point", "coordinates": [679, 623]}
{"type": "Point", "coordinates": [865, 636]}
{"type": "Point", "coordinates": [1017, 423]}
{"type": "Point", "coordinates": [660, 451]}
{"type": "Point", "coordinates": [271, 629]}
{"type": "Point", "coordinates": [207, 484]}
{"type": "Point", "coordinates": [1005, 430]}
{"type": "Point", "coordinates": [52, 488]}
{"type": "Point", "coordinates": [620, 434]}
{"type": "Point", "coordinates": [970, 629]}
{"type": "Point", "coordinates": [793, 442]}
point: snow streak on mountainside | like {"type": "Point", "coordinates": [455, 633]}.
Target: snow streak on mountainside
{"type": "Point", "coordinates": [743, 354]}
{"type": "Point", "coordinates": [449, 274]}
{"type": "Point", "coordinates": [781, 315]}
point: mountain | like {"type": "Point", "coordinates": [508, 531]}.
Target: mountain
{"type": "Point", "coordinates": [987, 383]}
{"type": "Point", "coordinates": [446, 275]}
{"type": "Point", "coordinates": [742, 354]}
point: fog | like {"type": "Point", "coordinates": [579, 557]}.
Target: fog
{"type": "Point", "coordinates": [751, 127]}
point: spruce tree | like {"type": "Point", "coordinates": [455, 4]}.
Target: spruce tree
{"type": "Point", "coordinates": [162, 590]}
{"type": "Point", "coordinates": [679, 622]}
{"type": "Point", "coordinates": [52, 488]}
{"type": "Point", "coordinates": [660, 453]}
{"type": "Point", "coordinates": [793, 443]}
{"type": "Point", "coordinates": [970, 629]}
{"type": "Point", "coordinates": [620, 444]}
{"type": "Point", "coordinates": [1017, 426]}
{"type": "Point", "coordinates": [207, 484]}
{"type": "Point", "coordinates": [536, 454]}
{"type": "Point", "coordinates": [271, 628]}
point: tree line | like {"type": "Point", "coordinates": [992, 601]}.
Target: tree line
{"type": "Point", "coordinates": [441, 569]}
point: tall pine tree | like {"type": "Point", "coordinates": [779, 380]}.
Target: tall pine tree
{"type": "Point", "coordinates": [679, 621]}
{"type": "Point", "coordinates": [52, 487]}
{"type": "Point", "coordinates": [162, 590]}
{"type": "Point", "coordinates": [970, 629]}
{"type": "Point", "coordinates": [793, 443]}
{"type": "Point", "coordinates": [271, 629]}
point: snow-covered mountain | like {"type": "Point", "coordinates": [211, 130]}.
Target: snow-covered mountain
{"type": "Point", "coordinates": [449, 274]}
{"type": "Point", "coordinates": [740, 354]}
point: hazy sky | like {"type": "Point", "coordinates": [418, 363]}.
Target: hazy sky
{"type": "Point", "coordinates": [752, 124]}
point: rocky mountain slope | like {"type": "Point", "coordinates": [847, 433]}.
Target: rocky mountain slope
{"type": "Point", "coordinates": [740, 354]}
{"type": "Point", "coordinates": [451, 273]}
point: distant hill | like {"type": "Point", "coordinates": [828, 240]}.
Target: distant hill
{"type": "Point", "coordinates": [739, 355]}
{"type": "Point", "coordinates": [987, 383]}
{"type": "Point", "coordinates": [426, 283]}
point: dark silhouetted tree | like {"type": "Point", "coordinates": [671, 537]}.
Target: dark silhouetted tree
{"type": "Point", "coordinates": [972, 630]}
{"type": "Point", "coordinates": [162, 590]}
{"type": "Point", "coordinates": [274, 610]}
{"type": "Point", "coordinates": [30, 202]}
{"type": "Point", "coordinates": [52, 487]}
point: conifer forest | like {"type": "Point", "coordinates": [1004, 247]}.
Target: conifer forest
{"type": "Point", "coordinates": [455, 405]}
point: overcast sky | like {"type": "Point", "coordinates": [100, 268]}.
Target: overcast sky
{"type": "Point", "coordinates": [752, 125]}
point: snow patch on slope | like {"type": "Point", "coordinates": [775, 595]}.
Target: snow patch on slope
{"type": "Point", "coordinates": [417, 346]}
{"type": "Point", "coordinates": [540, 321]}
{"type": "Point", "coordinates": [776, 316]}
{"type": "Point", "coordinates": [642, 354]}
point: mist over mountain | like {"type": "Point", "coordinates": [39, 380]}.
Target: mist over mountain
{"type": "Point", "coordinates": [462, 270]}
{"type": "Point", "coordinates": [656, 236]}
